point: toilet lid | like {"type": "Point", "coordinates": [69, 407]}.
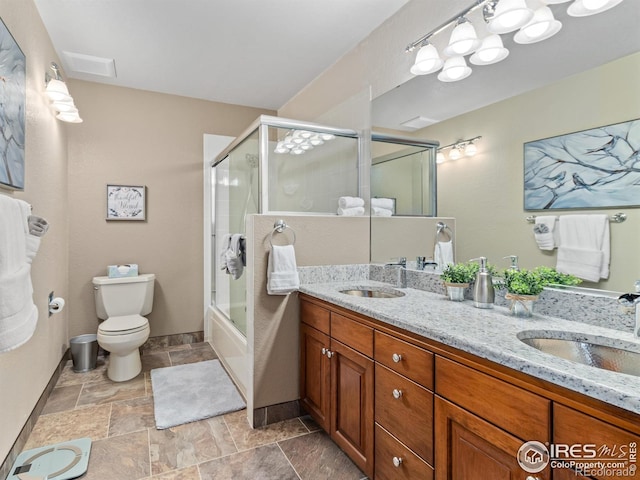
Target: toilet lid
{"type": "Point", "coordinates": [123, 324]}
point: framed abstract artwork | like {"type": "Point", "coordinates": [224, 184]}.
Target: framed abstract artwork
{"type": "Point", "coordinates": [126, 202]}
{"type": "Point", "coordinates": [12, 113]}
{"type": "Point", "coordinates": [596, 168]}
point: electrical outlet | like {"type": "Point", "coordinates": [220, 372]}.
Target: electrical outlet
{"type": "Point", "coordinates": [49, 302]}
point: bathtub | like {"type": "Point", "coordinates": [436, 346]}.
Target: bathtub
{"type": "Point", "coordinates": [230, 346]}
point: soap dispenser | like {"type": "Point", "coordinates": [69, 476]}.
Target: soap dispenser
{"type": "Point", "coordinates": [514, 262]}
{"type": "Point", "coordinates": [483, 292]}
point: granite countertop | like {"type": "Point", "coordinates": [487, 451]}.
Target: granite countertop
{"type": "Point", "coordinates": [493, 334]}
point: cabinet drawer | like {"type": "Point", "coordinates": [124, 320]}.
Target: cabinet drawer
{"type": "Point", "coordinates": [351, 333]}
{"type": "Point", "coordinates": [402, 357]}
{"type": "Point", "coordinates": [318, 317]}
{"type": "Point", "coordinates": [575, 428]}
{"type": "Point", "coordinates": [410, 466]}
{"type": "Point", "coordinates": [408, 417]}
{"type": "Point", "coordinates": [521, 413]}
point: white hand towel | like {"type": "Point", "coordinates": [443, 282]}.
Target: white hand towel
{"type": "Point", "coordinates": [351, 212]}
{"type": "Point", "coordinates": [443, 254]}
{"type": "Point", "coordinates": [350, 202]}
{"type": "Point", "coordinates": [381, 212]}
{"type": "Point", "coordinates": [584, 248]}
{"type": "Point", "coordinates": [544, 231]}
{"type": "Point", "coordinates": [282, 271]}
{"type": "Point", "coordinates": [18, 314]}
{"type": "Point", "coordinates": [383, 203]}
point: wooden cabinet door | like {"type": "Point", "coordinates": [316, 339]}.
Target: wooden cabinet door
{"type": "Point", "coordinates": [615, 448]}
{"type": "Point", "coordinates": [469, 448]}
{"type": "Point", "coordinates": [352, 404]}
{"type": "Point", "coordinates": [315, 371]}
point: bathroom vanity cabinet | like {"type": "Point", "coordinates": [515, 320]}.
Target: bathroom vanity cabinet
{"type": "Point", "coordinates": [440, 413]}
{"type": "Point", "coordinates": [336, 384]}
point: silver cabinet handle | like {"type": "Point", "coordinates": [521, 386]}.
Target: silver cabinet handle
{"type": "Point", "coordinates": [329, 354]}
{"type": "Point", "coordinates": [324, 351]}
{"type": "Point", "coordinates": [396, 393]}
{"type": "Point", "coordinates": [397, 461]}
{"type": "Point", "coordinates": [396, 357]}
{"type": "Point", "coordinates": [531, 477]}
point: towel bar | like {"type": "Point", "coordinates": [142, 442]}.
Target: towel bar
{"type": "Point", "coordinates": [279, 227]}
{"type": "Point", "coordinates": [615, 218]}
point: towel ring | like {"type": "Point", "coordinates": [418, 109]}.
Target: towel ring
{"type": "Point", "coordinates": [279, 227]}
{"type": "Point", "coordinates": [441, 228]}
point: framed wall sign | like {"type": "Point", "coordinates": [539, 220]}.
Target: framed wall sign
{"type": "Point", "coordinates": [13, 101]}
{"type": "Point", "coordinates": [596, 168]}
{"type": "Point", "coordinates": [126, 202]}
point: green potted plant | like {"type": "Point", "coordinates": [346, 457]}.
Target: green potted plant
{"type": "Point", "coordinates": [524, 286]}
{"type": "Point", "coordinates": [457, 277]}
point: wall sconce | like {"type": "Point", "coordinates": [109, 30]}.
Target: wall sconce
{"type": "Point", "coordinates": [61, 101]}
{"type": "Point", "coordinates": [459, 149]}
{"type": "Point", "coordinates": [501, 17]}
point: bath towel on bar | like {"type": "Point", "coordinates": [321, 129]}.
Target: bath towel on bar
{"type": "Point", "coordinates": [351, 212]}
{"type": "Point", "coordinates": [282, 270]}
{"type": "Point", "coordinates": [545, 232]}
{"type": "Point", "coordinates": [18, 313]}
{"type": "Point", "coordinates": [443, 254]}
{"type": "Point", "coordinates": [584, 246]}
{"type": "Point", "coordinates": [350, 202]}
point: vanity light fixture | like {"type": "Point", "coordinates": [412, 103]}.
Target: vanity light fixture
{"type": "Point", "coordinates": [58, 93]}
{"type": "Point", "coordinates": [458, 149]}
{"type": "Point", "coordinates": [501, 17]}
{"type": "Point", "coordinates": [298, 142]}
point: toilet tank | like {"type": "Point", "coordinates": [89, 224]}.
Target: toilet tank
{"type": "Point", "coordinates": [123, 296]}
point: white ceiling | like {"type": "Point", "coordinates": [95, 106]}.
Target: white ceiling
{"type": "Point", "coordinates": [247, 52]}
{"type": "Point", "coordinates": [583, 43]}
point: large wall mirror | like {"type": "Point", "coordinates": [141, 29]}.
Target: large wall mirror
{"type": "Point", "coordinates": [576, 80]}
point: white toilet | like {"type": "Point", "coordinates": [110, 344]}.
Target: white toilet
{"type": "Point", "coordinates": [121, 302]}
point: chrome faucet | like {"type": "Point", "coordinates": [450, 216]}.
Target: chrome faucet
{"type": "Point", "coordinates": [633, 300]}
{"type": "Point", "coordinates": [402, 262]}
{"type": "Point", "coordinates": [401, 274]}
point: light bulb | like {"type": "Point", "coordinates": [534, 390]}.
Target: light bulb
{"type": "Point", "coordinates": [427, 61]}
{"type": "Point", "coordinates": [280, 148]}
{"type": "Point", "coordinates": [491, 51]}
{"type": "Point", "coordinates": [440, 158]}
{"type": "Point", "coordinates": [455, 68]}
{"type": "Point", "coordinates": [509, 15]}
{"type": "Point", "coordinates": [470, 149]}
{"type": "Point", "coordinates": [455, 153]}
{"type": "Point", "coordinates": [594, 4]}
{"type": "Point", "coordinates": [463, 39]}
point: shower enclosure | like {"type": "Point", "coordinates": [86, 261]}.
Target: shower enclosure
{"type": "Point", "coordinates": [276, 166]}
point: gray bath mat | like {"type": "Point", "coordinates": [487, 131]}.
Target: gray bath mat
{"type": "Point", "coordinates": [191, 392]}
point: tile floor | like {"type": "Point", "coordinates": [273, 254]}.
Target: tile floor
{"type": "Point", "coordinates": [118, 417]}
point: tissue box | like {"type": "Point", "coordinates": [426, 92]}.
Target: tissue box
{"type": "Point", "coordinates": [119, 271]}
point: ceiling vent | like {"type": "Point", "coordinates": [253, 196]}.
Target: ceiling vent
{"type": "Point", "coordinates": [80, 63]}
{"type": "Point", "coordinates": [418, 123]}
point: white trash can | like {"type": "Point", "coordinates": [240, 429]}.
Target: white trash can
{"type": "Point", "coordinates": [84, 352]}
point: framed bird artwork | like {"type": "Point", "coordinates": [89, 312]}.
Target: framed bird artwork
{"type": "Point", "coordinates": [596, 168]}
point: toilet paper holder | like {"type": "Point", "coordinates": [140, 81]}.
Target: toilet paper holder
{"type": "Point", "coordinates": [55, 304]}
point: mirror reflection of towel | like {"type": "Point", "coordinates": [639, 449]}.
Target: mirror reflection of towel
{"type": "Point", "coordinates": [584, 246]}
{"type": "Point", "coordinates": [443, 254]}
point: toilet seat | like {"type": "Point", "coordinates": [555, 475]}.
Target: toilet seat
{"type": "Point", "coordinates": [123, 325]}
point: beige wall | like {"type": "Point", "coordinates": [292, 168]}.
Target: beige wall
{"type": "Point", "coordinates": [25, 372]}
{"type": "Point", "coordinates": [134, 137]}
{"type": "Point", "coordinates": [485, 193]}
{"type": "Point", "coordinates": [273, 334]}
